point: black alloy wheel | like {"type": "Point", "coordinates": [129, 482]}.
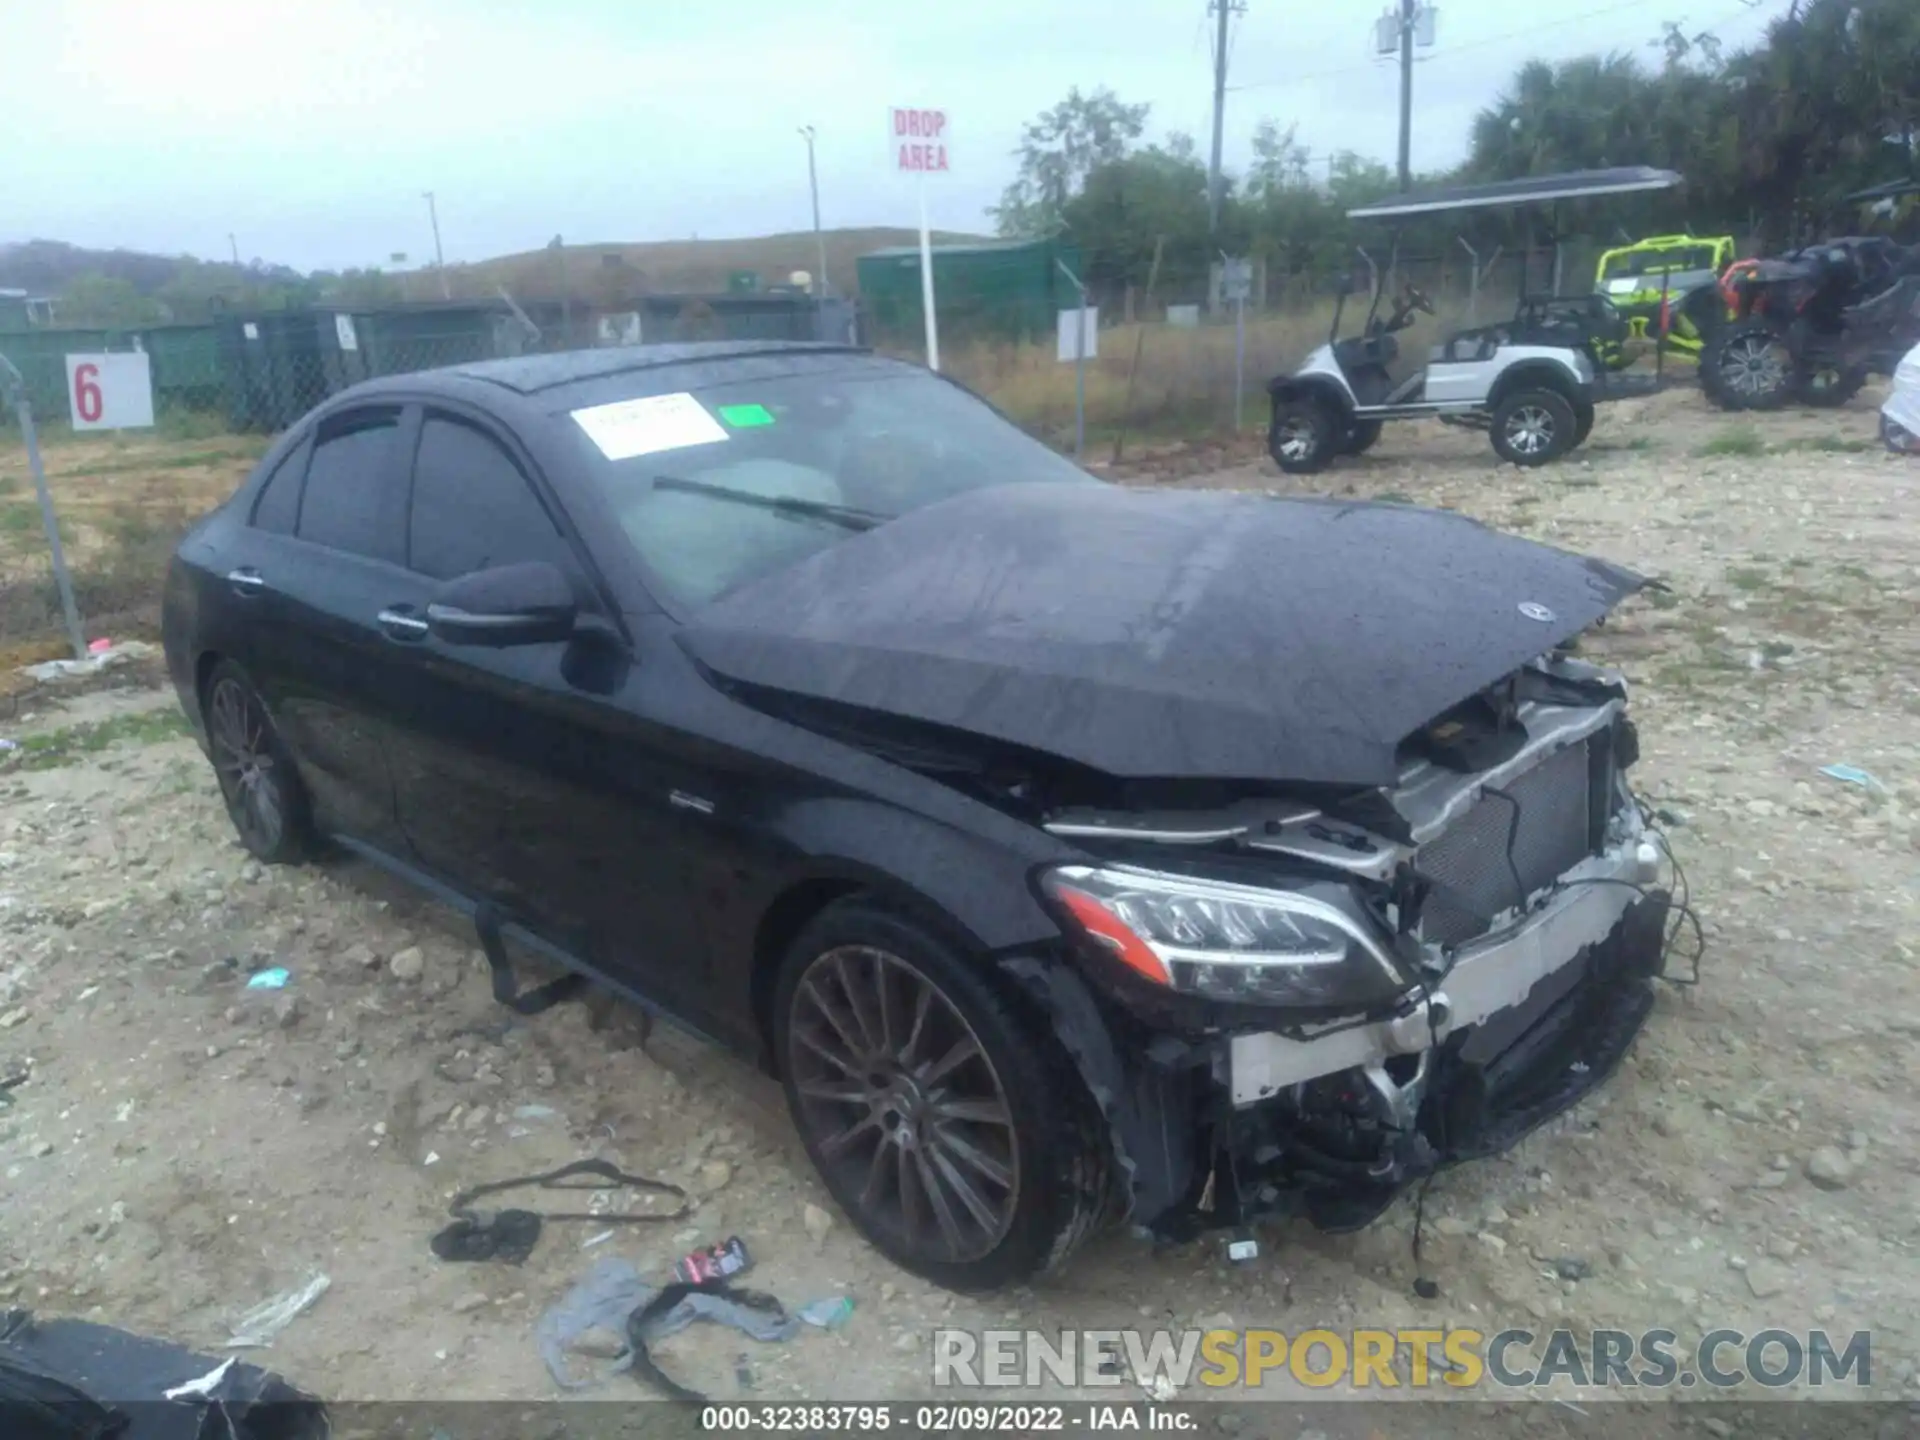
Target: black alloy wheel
{"type": "Point", "coordinates": [257, 780]}
{"type": "Point", "coordinates": [904, 1103]}
{"type": "Point", "coordinates": [949, 1125]}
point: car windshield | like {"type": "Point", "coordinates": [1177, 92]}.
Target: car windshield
{"type": "Point", "coordinates": [1654, 262]}
{"type": "Point", "coordinates": [727, 482]}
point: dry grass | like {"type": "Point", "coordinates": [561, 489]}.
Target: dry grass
{"type": "Point", "coordinates": [1184, 386]}
{"type": "Point", "coordinates": [123, 503]}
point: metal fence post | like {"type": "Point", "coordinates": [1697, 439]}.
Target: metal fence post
{"type": "Point", "coordinates": [1079, 363]}
{"type": "Point", "coordinates": [1473, 280]}
{"type": "Point", "coordinates": [11, 379]}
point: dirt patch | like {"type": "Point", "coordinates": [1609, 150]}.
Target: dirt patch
{"type": "Point", "coordinates": [186, 1147]}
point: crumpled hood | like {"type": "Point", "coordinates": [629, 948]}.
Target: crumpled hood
{"type": "Point", "coordinates": [1169, 634]}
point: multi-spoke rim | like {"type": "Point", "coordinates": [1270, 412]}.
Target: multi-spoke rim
{"type": "Point", "coordinates": [237, 727]}
{"type": "Point", "coordinates": [1295, 439]}
{"type": "Point", "coordinates": [1751, 366]}
{"type": "Point", "coordinates": [902, 1106]}
{"type": "Point", "coordinates": [1530, 429]}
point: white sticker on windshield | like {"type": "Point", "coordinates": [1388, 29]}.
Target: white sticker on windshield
{"type": "Point", "coordinates": [640, 427]}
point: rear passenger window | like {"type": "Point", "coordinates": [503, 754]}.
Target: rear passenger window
{"type": "Point", "coordinates": [278, 507]}
{"type": "Point", "coordinates": [472, 507]}
{"type": "Point", "coordinates": [343, 505]}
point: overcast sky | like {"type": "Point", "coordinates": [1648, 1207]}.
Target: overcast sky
{"type": "Point", "coordinates": [309, 128]}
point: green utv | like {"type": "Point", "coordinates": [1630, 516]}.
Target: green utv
{"type": "Point", "coordinates": [1681, 271]}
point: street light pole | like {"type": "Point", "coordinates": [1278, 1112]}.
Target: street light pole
{"type": "Point", "coordinates": [813, 188]}
{"type": "Point", "coordinates": [439, 259]}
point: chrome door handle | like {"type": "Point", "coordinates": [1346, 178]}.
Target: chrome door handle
{"type": "Point", "coordinates": [246, 581]}
{"type": "Point", "coordinates": [399, 625]}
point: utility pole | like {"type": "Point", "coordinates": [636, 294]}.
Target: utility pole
{"type": "Point", "coordinates": [1406, 24]}
{"type": "Point", "coordinates": [1406, 95]}
{"type": "Point", "coordinates": [439, 259]}
{"type": "Point", "coordinates": [1223, 11]}
{"type": "Point", "coordinates": [235, 244]}
{"type": "Point", "coordinates": [819, 240]}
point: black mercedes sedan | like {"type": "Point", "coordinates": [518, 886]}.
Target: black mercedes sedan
{"type": "Point", "coordinates": [1072, 852]}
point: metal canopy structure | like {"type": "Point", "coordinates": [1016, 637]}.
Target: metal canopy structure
{"type": "Point", "coordinates": [1891, 190]}
{"type": "Point", "coordinates": [1530, 190]}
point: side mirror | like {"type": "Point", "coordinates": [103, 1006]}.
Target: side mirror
{"type": "Point", "coordinates": [526, 604]}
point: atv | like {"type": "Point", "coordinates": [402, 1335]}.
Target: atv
{"type": "Point", "coordinates": [1667, 286]}
{"type": "Point", "coordinates": [1811, 326]}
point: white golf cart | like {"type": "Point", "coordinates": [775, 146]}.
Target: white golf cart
{"type": "Point", "coordinates": [1531, 382]}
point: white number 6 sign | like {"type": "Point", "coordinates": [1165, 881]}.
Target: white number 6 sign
{"type": "Point", "coordinates": [110, 392]}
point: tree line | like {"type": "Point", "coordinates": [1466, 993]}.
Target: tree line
{"type": "Point", "coordinates": [1770, 139]}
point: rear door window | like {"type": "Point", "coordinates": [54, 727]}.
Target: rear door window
{"type": "Point", "coordinates": [473, 508]}
{"type": "Point", "coordinates": [351, 481]}
{"type": "Point", "coordinates": [278, 506]}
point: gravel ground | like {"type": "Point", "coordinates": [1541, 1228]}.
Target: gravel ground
{"type": "Point", "coordinates": [185, 1148]}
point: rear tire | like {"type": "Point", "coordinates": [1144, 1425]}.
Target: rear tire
{"type": "Point", "coordinates": [1748, 366]}
{"type": "Point", "coordinates": [1533, 427]}
{"type": "Point", "coordinates": [1583, 417]}
{"type": "Point", "coordinates": [1304, 435]}
{"type": "Point", "coordinates": [1827, 388]}
{"type": "Point", "coordinates": [262, 790]}
{"type": "Point", "coordinates": [973, 1172]}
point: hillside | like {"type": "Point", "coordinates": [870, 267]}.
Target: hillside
{"type": "Point", "coordinates": [612, 270]}
{"type": "Point", "coordinates": [666, 266]}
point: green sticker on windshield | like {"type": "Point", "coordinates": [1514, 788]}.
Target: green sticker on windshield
{"type": "Point", "coordinates": [744, 417]}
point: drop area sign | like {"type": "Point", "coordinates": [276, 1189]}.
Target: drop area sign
{"type": "Point", "coordinates": [110, 392]}
{"type": "Point", "coordinates": [920, 136]}
{"type": "Point", "coordinates": [920, 141]}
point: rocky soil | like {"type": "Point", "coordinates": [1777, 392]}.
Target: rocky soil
{"type": "Point", "coordinates": [179, 1148]}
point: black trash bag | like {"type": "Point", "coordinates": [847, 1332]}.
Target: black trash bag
{"type": "Point", "coordinates": [72, 1380]}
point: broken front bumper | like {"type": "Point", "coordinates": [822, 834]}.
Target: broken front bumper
{"type": "Point", "coordinates": [1526, 1023]}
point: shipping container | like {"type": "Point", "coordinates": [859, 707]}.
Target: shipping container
{"type": "Point", "coordinates": [994, 290]}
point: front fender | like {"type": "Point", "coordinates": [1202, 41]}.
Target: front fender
{"type": "Point", "coordinates": [1285, 389]}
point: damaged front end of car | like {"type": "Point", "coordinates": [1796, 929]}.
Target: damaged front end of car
{"type": "Point", "coordinates": [1299, 1005]}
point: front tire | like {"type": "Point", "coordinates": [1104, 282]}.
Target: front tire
{"type": "Point", "coordinates": [1304, 435]}
{"type": "Point", "coordinates": [262, 790]}
{"type": "Point", "coordinates": [949, 1126]}
{"type": "Point", "coordinates": [1748, 366]}
{"type": "Point", "coordinates": [1362, 436]}
{"type": "Point", "coordinates": [1533, 427]}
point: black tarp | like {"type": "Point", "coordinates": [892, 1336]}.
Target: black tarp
{"type": "Point", "coordinates": [74, 1380]}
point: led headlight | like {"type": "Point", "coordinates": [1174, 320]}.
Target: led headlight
{"type": "Point", "coordinates": [1225, 941]}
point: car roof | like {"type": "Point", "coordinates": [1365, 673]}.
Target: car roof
{"type": "Point", "coordinates": [531, 374]}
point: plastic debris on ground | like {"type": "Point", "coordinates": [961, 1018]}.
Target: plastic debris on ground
{"type": "Point", "coordinates": [256, 1329]}
{"type": "Point", "coordinates": [510, 1235]}
{"type": "Point", "coordinates": [1854, 775]}
{"type": "Point", "coordinates": [715, 1262]}
{"type": "Point", "coordinates": [828, 1314]}
{"type": "Point", "coordinates": [613, 1292]}
{"type": "Point", "coordinates": [99, 646]}
{"type": "Point", "coordinates": [48, 671]}
{"type": "Point", "coordinates": [274, 979]}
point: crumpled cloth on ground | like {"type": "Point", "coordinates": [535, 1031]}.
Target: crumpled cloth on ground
{"type": "Point", "coordinates": [613, 1292]}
